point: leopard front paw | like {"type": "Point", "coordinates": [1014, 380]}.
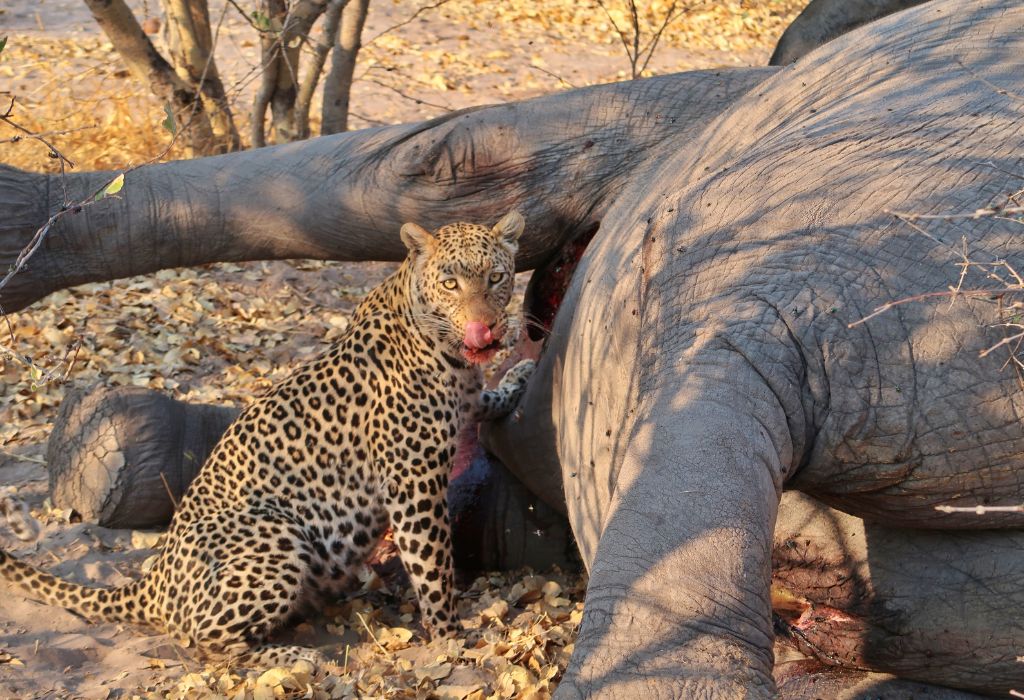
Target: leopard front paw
{"type": "Point", "coordinates": [444, 630]}
{"type": "Point", "coordinates": [517, 377]}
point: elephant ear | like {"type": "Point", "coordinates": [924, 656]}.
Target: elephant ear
{"type": "Point", "coordinates": [508, 230]}
{"type": "Point", "coordinates": [417, 239]}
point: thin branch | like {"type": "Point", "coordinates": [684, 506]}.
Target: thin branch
{"type": "Point", "coordinates": [54, 153]}
{"type": "Point", "coordinates": [622, 35]}
{"type": "Point", "coordinates": [372, 635]}
{"type": "Point", "coordinates": [247, 18]}
{"type": "Point", "coordinates": [635, 16]}
{"type": "Point", "coordinates": [976, 214]}
{"type": "Point", "coordinates": [408, 20]}
{"type": "Point", "coordinates": [669, 19]}
{"type": "Point", "coordinates": [554, 75]}
{"type": "Point", "coordinates": [170, 494]}
{"type": "Point", "coordinates": [62, 132]}
{"type": "Point", "coordinates": [403, 95]}
{"type": "Point", "coordinates": [368, 120]}
{"type": "Point", "coordinates": [932, 295]}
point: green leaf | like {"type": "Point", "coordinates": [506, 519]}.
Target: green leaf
{"type": "Point", "coordinates": [113, 187]}
{"type": "Point", "coordinates": [261, 21]}
{"type": "Point", "coordinates": [3, 43]}
{"type": "Point", "coordinates": [169, 122]}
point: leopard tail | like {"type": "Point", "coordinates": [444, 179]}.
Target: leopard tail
{"type": "Point", "coordinates": [121, 604]}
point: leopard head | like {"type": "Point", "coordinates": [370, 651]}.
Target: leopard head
{"type": "Point", "coordinates": [463, 275]}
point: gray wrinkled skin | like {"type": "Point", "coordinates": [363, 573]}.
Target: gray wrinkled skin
{"type": "Point", "coordinates": [344, 197]}
{"type": "Point", "coordinates": [726, 286]}
{"type": "Point", "coordinates": [123, 457]}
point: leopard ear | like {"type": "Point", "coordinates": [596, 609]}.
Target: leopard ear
{"type": "Point", "coordinates": [418, 239]}
{"type": "Point", "coordinates": [509, 228]}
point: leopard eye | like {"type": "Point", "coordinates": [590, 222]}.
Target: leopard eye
{"type": "Point", "coordinates": [496, 277]}
{"type": "Point", "coordinates": [451, 284]}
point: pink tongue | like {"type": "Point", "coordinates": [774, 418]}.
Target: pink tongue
{"type": "Point", "coordinates": [477, 335]}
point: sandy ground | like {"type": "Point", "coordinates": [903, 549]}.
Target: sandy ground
{"type": "Point", "coordinates": [220, 333]}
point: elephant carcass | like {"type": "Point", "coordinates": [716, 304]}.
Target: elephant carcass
{"type": "Point", "coordinates": [707, 357]}
{"type": "Point", "coordinates": [824, 20]}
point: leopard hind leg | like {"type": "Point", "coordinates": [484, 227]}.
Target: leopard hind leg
{"type": "Point", "coordinates": [238, 577]}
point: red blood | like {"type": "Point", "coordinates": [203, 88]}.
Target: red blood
{"type": "Point", "coordinates": [549, 284]}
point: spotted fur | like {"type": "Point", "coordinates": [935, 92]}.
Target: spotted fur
{"type": "Point", "coordinates": [303, 484]}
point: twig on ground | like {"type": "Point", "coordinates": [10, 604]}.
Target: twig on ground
{"type": "Point", "coordinates": [980, 510]}
{"type": "Point", "coordinates": [22, 458]}
{"type": "Point", "coordinates": [167, 487]}
{"type": "Point", "coordinates": [372, 635]}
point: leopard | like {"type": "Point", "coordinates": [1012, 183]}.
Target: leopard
{"type": "Point", "coordinates": [308, 478]}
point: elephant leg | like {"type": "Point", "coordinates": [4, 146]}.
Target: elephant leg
{"type": "Point", "coordinates": [678, 603]}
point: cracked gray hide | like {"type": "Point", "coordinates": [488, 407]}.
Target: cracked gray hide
{"type": "Point", "coordinates": [344, 197]}
{"type": "Point", "coordinates": [705, 359]}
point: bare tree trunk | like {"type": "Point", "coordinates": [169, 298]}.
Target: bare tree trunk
{"type": "Point", "coordinates": [191, 48]}
{"type": "Point", "coordinates": [311, 77]}
{"type": "Point", "coordinates": [279, 88]}
{"type": "Point", "coordinates": [270, 59]}
{"type": "Point", "coordinates": [338, 84]}
{"type": "Point", "coordinates": [149, 67]}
